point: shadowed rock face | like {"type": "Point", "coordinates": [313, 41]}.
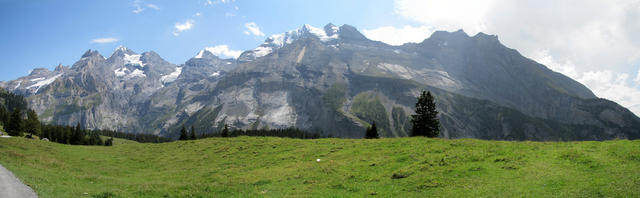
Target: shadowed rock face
{"type": "Point", "coordinates": [331, 80]}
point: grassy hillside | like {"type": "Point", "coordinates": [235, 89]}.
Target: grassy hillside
{"type": "Point", "coordinates": [280, 167]}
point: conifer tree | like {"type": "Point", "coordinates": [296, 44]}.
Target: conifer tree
{"type": "Point", "coordinates": [14, 127]}
{"type": "Point", "coordinates": [77, 135]}
{"type": "Point", "coordinates": [193, 133]}
{"type": "Point", "coordinates": [372, 132]}
{"type": "Point", "coordinates": [425, 122]}
{"type": "Point", "coordinates": [109, 142]}
{"type": "Point", "coordinates": [183, 134]}
{"type": "Point", "coordinates": [32, 124]}
{"type": "Point", "coordinates": [4, 116]}
{"type": "Point", "coordinates": [225, 131]}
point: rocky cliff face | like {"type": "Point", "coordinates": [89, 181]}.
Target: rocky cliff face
{"type": "Point", "coordinates": [331, 80]}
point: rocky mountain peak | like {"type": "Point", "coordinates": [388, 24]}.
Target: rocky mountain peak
{"type": "Point", "coordinates": [91, 53]}
{"type": "Point", "coordinates": [39, 71]}
{"type": "Point", "coordinates": [331, 29]}
{"type": "Point", "coordinates": [348, 32]}
{"type": "Point", "coordinates": [121, 51]}
{"type": "Point", "coordinates": [206, 54]}
{"type": "Point", "coordinates": [59, 68]}
{"type": "Point", "coordinates": [445, 35]}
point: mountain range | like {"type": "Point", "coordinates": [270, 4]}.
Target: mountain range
{"type": "Point", "coordinates": [330, 80]}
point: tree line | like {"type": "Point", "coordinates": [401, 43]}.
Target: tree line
{"type": "Point", "coordinates": [142, 138]}
{"type": "Point", "coordinates": [225, 132]}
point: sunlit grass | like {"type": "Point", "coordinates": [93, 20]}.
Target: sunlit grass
{"type": "Point", "coordinates": [281, 167]}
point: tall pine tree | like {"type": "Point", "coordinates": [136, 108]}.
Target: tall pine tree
{"type": "Point", "coordinates": [77, 136]}
{"type": "Point", "coordinates": [372, 132]}
{"type": "Point", "coordinates": [15, 127]}
{"type": "Point", "coordinates": [4, 116]}
{"type": "Point", "coordinates": [425, 122]}
{"type": "Point", "coordinates": [183, 134]}
{"type": "Point", "coordinates": [32, 124]}
{"type": "Point", "coordinates": [193, 133]}
{"type": "Point", "coordinates": [109, 142]}
{"type": "Point", "coordinates": [225, 131]}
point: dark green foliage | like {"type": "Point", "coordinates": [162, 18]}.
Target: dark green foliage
{"type": "Point", "coordinates": [12, 101]}
{"type": "Point", "coordinates": [372, 132]}
{"type": "Point", "coordinates": [94, 139]}
{"type": "Point", "coordinates": [287, 132]}
{"type": "Point", "coordinates": [225, 131]}
{"type": "Point", "coordinates": [15, 127]}
{"type": "Point", "coordinates": [104, 194]}
{"type": "Point", "coordinates": [32, 124]}
{"type": "Point", "coordinates": [65, 134]}
{"type": "Point", "coordinates": [4, 116]}
{"type": "Point", "coordinates": [78, 136]}
{"type": "Point", "coordinates": [183, 134]}
{"type": "Point", "coordinates": [142, 138]}
{"type": "Point", "coordinates": [109, 142]}
{"type": "Point", "coordinates": [193, 133]}
{"type": "Point", "coordinates": [425, 121]}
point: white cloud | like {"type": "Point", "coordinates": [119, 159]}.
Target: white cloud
{"type": "Point", "coordinates": [565, 67]}
{"type": "Point", "coordinates": [446, 14]}
{"type": "Point", "coordinates": [139, 6]}
{"type": "Point", "coordinates": [637, 79]}
{"type": "Point", "coordinates": [224, 51]}
{"type": "Point", "coordinates": [213, 2]}
{"type": "Point", "coordinates": [153, 6]}
{"type": "Point", "coordinates": [180, 27]}
{"type": "Point", "coordinates": [592, 41]}
{"type": "Point", "coordinates": [198, 14]}
{"type": "Point", "coordinates": [104, 40]}
{"type": "Point", "coordinates": [613, 86]}
{"type": "Point", "coordinates": [253, 29]}
{"type": "Point", "coordinates": [398, 36]}
{"type": "Point", "coordinates": [138, 10]}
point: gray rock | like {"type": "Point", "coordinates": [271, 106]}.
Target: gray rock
{"type": "Point", "coordinates": [331, 80]}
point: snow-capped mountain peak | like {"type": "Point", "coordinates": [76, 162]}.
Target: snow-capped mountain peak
{"type": "Point", "coordinates": [328, 33]}
{"type": "Point", "coordinates": [121, 51]}
{"type": "Point", "coordinates": [205, 53]}
{"type": "Point", "coordinates": [121, 48]}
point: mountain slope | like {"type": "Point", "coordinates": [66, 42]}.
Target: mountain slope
{"type": "Point", "coordinates": [334, 81]}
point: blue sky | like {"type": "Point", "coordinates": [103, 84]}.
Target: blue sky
{"type": "Point", "coordinates": [595, 42]}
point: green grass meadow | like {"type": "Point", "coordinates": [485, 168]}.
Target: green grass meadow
{"type": "Point", "coordinates": [282, 167]}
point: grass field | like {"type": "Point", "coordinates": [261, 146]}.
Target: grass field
{"type": "Point", "coordinates": [280, 167]}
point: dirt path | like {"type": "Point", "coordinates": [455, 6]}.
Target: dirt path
{"type": "Point", "coordinates": [10, 186]}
